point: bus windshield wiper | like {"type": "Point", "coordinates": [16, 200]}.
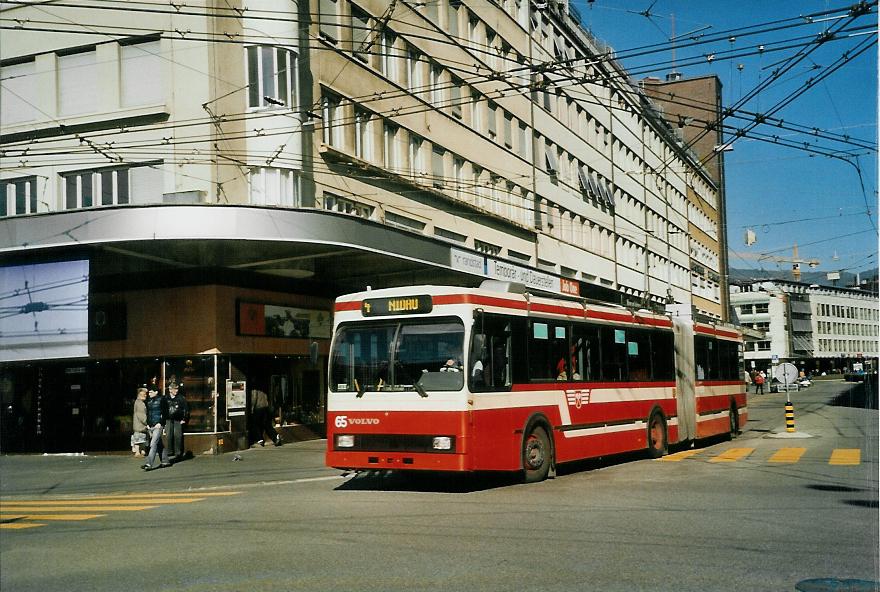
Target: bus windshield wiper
{"type": "Point", "coordinates": [420, 389]}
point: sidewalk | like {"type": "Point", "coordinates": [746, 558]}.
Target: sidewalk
{"type": "Point", "coordinates": [39, 475]}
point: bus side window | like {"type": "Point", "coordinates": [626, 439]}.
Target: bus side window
{"type": "Point", "coordinates": [613, 354]}
{"type": "Point", "coordinates": [585, 351]}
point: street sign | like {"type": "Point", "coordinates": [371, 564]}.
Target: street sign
{"type": "Point", "coordinates": [775, 359]}
{"type": "Point", "coordinates": [787, 373]}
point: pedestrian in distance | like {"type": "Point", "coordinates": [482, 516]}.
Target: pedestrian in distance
{"type": "Point", "coordinates": [139, 427]}
{"type": "Point", "coordinates": [759, 382]}
{"type": "Point", "coordinates": [176, 416]}
{"type": "Point", "coordinates": [155, 404]}
{"type": "Point", "coordinates": [262, 418]}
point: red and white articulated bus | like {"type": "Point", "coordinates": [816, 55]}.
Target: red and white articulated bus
{"type": "Point", "coordinates": [494, 379]}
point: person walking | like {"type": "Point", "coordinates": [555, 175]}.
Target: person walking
{"type": "Point", "coordinates": [176, 414]}
{"type": "Point", "coordinates": [139, 427]}
{"type": "Point", "coordinates": [155, 418]}
{"type": "Point", "coordinates": [262, 417]}
{"type": "Point", "coordinates": [759, 382]}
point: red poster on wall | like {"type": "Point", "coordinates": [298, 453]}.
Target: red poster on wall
{"type": "Point", "coordinates": [251, 318]}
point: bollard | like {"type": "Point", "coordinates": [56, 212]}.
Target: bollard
{"type": "Point", "coordinates": [789, 417]}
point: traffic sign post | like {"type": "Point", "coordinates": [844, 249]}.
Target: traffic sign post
{"type": "Point", "coordinates": [789, 375]}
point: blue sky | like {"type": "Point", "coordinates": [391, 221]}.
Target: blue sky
{"type": "Point", "coordinates": [785, 195]}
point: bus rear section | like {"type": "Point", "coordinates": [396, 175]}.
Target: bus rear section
{"type": "Point", "coordinates": [397, 386]}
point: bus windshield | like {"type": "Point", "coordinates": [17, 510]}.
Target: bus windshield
{"type": "Point", "coordinates": [412, 354]}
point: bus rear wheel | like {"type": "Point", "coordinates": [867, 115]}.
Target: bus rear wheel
{"type": "Point", "coordinates": [657, 444]}
{"type": "Point", "coordinates": [536, 455]}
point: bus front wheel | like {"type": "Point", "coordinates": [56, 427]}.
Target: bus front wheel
{"type": "Point", "coordinates": [536, 455]}
{"type": "Point", "coordinates": [657, 444]}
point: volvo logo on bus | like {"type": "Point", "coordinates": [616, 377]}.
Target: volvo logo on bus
{"type": "Point", "coordinates": [397, 305]}
{"type": "Point", "coordinates": [343, 421]}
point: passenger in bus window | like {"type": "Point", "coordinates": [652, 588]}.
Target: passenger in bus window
{"type": "Point", "coordinates": [451, 365]}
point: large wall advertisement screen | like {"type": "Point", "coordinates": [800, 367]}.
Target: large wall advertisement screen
{"type": "Point", "coordinates": [44, 311]}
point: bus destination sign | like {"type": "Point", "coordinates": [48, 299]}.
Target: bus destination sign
{"type": "Point", "coordinates": [397, 305]}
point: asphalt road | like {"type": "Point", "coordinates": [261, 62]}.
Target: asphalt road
{"type": "Point", "coordinates": [729, 516]}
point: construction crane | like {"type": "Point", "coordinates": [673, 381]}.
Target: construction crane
{"type": "Point", "coordinates": [795, 261]}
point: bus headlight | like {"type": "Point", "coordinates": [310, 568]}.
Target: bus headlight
{"type": "Point", "coordinates": [345, 440]}
{"type": "Point", "coordinates": [442, 443]}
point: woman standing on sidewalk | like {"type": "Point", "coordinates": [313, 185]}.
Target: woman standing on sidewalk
{"type": "Point", "coordinates": [155, 419]}
{"type": "Point", "coordinates": [139, 423]}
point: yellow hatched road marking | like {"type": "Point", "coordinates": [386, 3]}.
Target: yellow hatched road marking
{"type": "Point", "coordinates": [28, 508]}
{"type": "Point", "coordinates": [49, 516]}
{"type": "Point", "coordinates": [845, 456]}
{"type": "Point", "coordinates": [787, 455]}
{"type": "Point", "coordinates": [732, 455]}
{"type": "Point", "coordinates": [19, 525]}
{"type": "Point", "coordinates": [99, 502]}
{"type": "Point", "coordinates": [199, 494]}
{"type": "Point", "coordinates": [679, 456]}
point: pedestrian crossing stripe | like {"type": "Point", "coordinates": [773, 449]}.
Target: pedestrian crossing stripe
{"type": "Point", "coordinates": [846, 456]}
{"type": "Point", "coordinates": [18, 525]}
{"type": "Point", "coordinates": [22, 513]}
{"type": "Point", "coordinates": [732, 455]}
{"type": "Point", "coordinates": [10, 517]}
{"type": "Point", "coordinates": [839, 456]}
{"type": "Point", "coordinates": [787, 455]}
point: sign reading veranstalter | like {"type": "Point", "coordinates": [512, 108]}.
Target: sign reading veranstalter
{"type": "Point", "coordinates": [509, 272]}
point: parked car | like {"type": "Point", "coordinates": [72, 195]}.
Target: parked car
{"type": "Point", "coordinates": [804, 382]}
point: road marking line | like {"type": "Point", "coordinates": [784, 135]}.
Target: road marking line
{"type": "Point", "coordinates": [845, 456]}
{"type": "Point", "coordinates": [49, 516]}
{"type": "Point", "coordinates": [24, 508]}
{"type": "Point", "coordinates": [787, 455]}
{"type": "Point", "coordinates": [91, 502]}
{"type": "Point", "coordinates": [19, 525]}
{"type": "Point", "coordinates": [732, 455]}
{"type": "Point", "coordinates": [125, 496]}
{"type": "Point", "coordinates": [679, 456]}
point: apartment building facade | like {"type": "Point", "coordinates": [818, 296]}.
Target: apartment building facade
{"type": "Point", "coordinates": [818, 328]}
{"type": "Point", "coordinates": [219, 174]}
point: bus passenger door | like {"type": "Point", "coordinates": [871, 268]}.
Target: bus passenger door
{"type": "Point", "coordinates": [683, 328]}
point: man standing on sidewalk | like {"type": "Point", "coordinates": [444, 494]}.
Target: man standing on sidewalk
{"type": "Point", "coordinates": [155, 419]}
{"type": "Point", "coordinates": [262, 417]}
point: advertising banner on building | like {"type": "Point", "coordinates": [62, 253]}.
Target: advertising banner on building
{"type": "Point", "coordinates": [274, 320]}
{"type": "Point", "coordinates": [510, 272]}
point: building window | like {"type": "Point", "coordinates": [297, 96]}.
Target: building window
{"type": "Point", "coordinates": [436, 85]}
{"type": "Point", "coordinates": [458, 175]}
{"type": "Point", "coordinates": [452, 17]}
{"type": "Point", "coordinates": [18, 93]}
{"type": "Point", "coordinates": [334, 203]}
{"type": "Point", "coordinates": [522, 140]}
{"type": "Point", "coordinates": [363, 134]}
{"type": "Point", "coordinates": [508, 130]}
{"type": "Point", "coordinates": [414, 71]}
{"type": "Point", "coordinates": [487, 248]}
{"type": "Point", "coordinates": [455, 98]}
{"type": "Point", "coordinates": [391, 147]}
{"type": "Point", "coordinates": [271, 79]}
{"type": "Point", "coordinates": [18, 196]}
{"type": "Point", "coordinates": [78, 83]}
{"type": "Point", "coordinates": [360, 33]}
{"type": "Point", "coordinates": [493, 120]}
{"type": "Point", "coordinates": [140, 73]}
{"type": "Point", "coordinates": [404, 221]}
{"type": "Point", "coordinates": [329, 19]}
{"type": "Point", "coordinates": [449, 235]}
{"type": "Point", "coordinates": [331, 107]}
{"type": "Point", "coordinates": [762, 308]}
{"type": "Point", "coordinates": [387, 62]}
{"type": "Point", "coordinates": [437, 167]}
{"type": "Point", "coordinates": [113, 186]}
{"type": "Point", "coordinates": [274, 187]}
{"type": "Point", "coordinates": [417, 167]}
